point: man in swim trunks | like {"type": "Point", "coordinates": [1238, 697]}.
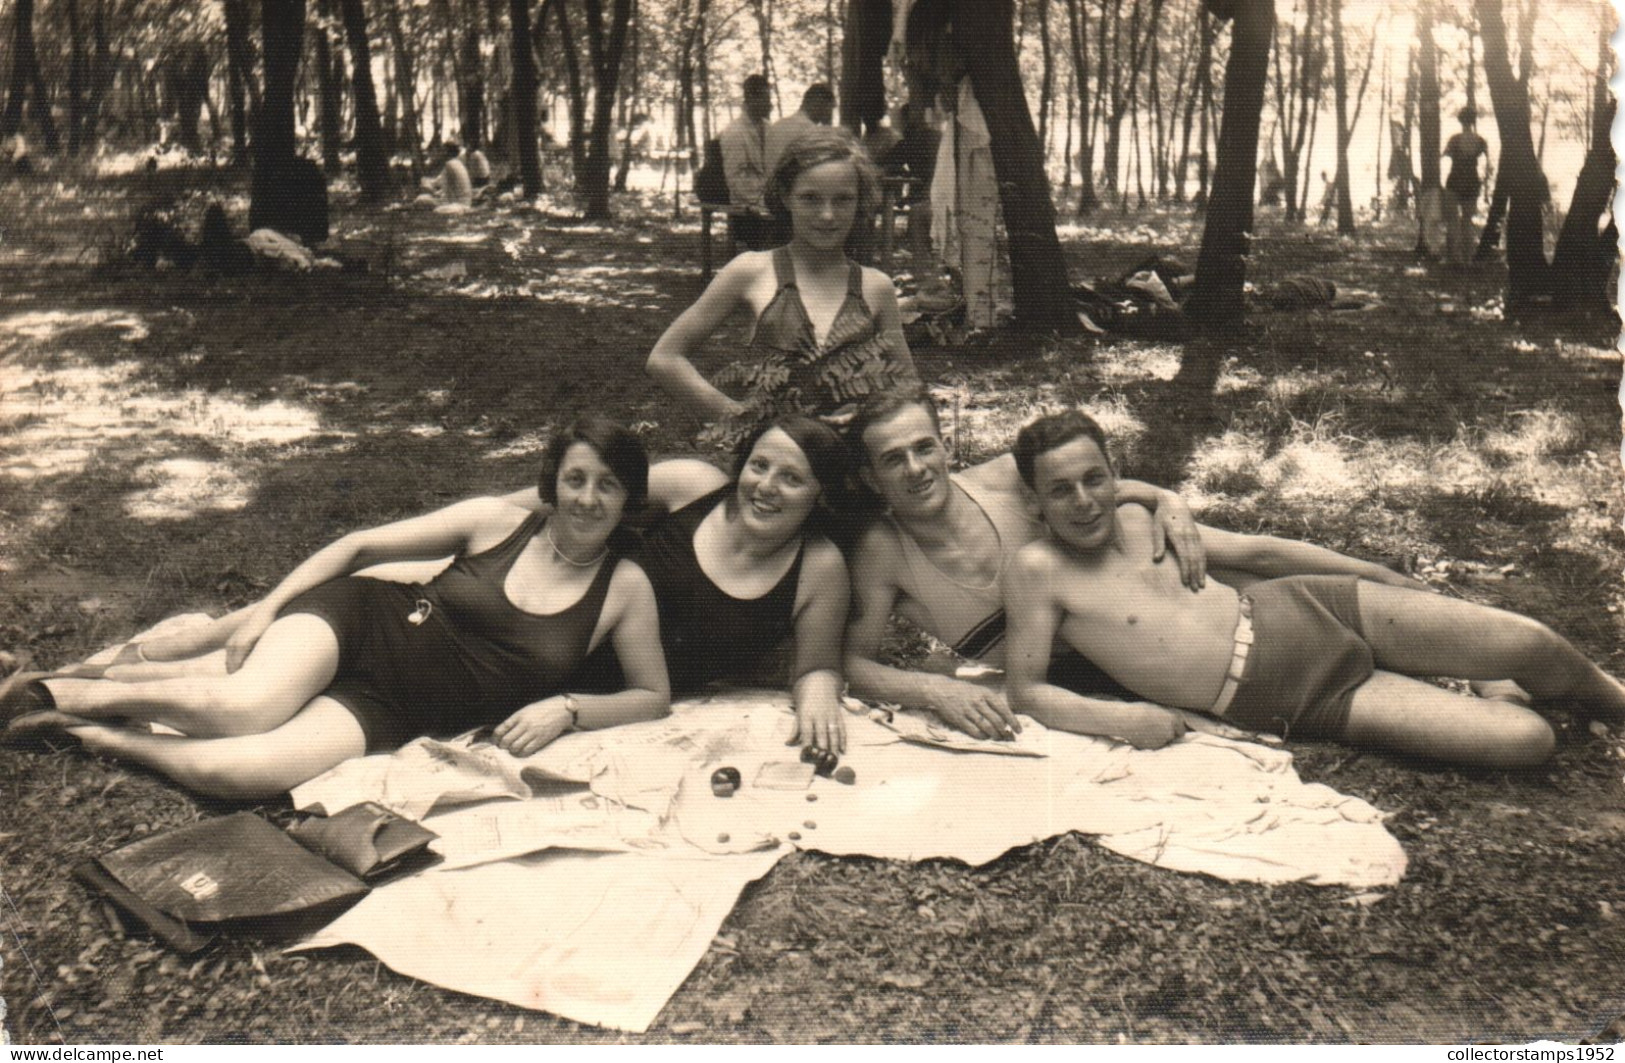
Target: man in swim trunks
{"type": "Point", "coordinates": [937, 557]}
{"type": "Point", "coordinates": [1293, 655]}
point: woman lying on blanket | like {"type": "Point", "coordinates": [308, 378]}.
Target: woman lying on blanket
{"type": "Point", "coordinates": [331, 666]}
{"type": "Point", "coordinates": [741, 569]}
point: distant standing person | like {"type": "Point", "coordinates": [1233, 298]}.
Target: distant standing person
{"type": "Point", "coordinates": [1461, 188]}
{"type": "Point", "coordinates": [827, 330]}
{"type": "Point", "coordinates": [817, 109]}
{"type": "Point", "coordinates": [744, 154]}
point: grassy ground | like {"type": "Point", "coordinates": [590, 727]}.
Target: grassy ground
{"type": "Point", "coordinates": [169, 442]}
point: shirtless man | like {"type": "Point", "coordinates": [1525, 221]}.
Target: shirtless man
{"type": "Point", "coordinates": [1293, 656]}
{"type": "Point", "coordinates": [938, 556]}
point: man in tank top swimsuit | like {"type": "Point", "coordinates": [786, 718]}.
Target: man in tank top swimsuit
{"type": "Point", "coordinates": [938, 557]}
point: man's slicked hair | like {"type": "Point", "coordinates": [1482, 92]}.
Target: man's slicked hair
{"type": "Point", "coordinates": [1052, 432]}
{"type": "Point", "coordinates": [883, 406]}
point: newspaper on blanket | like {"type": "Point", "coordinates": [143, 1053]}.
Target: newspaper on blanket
{"type": "Point", "coordinates": [426, 774]}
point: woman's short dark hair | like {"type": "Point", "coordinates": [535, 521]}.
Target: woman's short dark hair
{"type": "Point", "coordinates": [1050, 433]}
{"type": "Point", "coordinates": [815, 147]}
{"type": "Point", "coordinates": [616, 446]}
{"type": "Point", "coordinates": [822, 445]}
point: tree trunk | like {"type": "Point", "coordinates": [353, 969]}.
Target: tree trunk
{"type": "Point", "coordinates": [605, 53]}
{"type": "Point", "coordinates": [371, 156]}
{"type": "Point", "coordinates": [631, 98]}
{"type": "Point", "coordinates": [471, 87]}
{"type": "Point", "coordinates": [1586, 249]}
{"type": "Point", "coordinates": [77, 75]}
{"type": "Point", "coordinates": [330, 83]}
{"type": "Point", "coordinates": [1046, 78]}
{"type": "Point", "coordinates": [1345, 128]}
{"type": "Point", "coordinates": [578, 95]}
{"type": "Point", "coordinates": [763, 10]}
{"type": "Point", "coordinates": [1078, 26]}
{"type": "Point", "coordinates": [26, 83]}
{"type": "Point", "coordinates": [283, 29]}
{"type": "Point", "coordinates": [1528, 273]}
{"type": "Point", "coordinates": [1204, 67]}
{"type": "Point", "coordinates": [863, 49]}
{"type": "Point", "coordinates": [101, 75]}
{"type": "Point", "coordinates": [405, 87]}
{"type": "Point", "coordinates": [1490, 238]}
{"type": "Point", "coordinates": [524, 99]}
{"type": "Point", "coordinates": [1043, 294]}
{"type": "Point", "coordinates": [187, 83]}
{"type": "Point", "coordinates": [1221, 267]}
{"type": "Point", "coordinates": [1427, 123]}
{"type": "Point", "coordinates": [239, 76]}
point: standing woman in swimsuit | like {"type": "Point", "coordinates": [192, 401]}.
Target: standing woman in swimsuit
{"type": "Point", "coordinates": [827, 331]}
{"type": "Point", "coordinates": [334, 666]}
{"type": "Point", "coordinates": [1461, 188]}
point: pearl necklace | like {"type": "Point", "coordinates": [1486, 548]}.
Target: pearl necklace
{"type": "Point", "coordinates": [547, 530]}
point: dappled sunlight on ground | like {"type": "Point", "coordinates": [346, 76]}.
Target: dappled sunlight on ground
{"type": "Point", "coordinates": [63, 422]}
{"type": "Point", "coordinates": [44, 325]}
{"type": "Point", "coordinates": [1141, 361]}
{"type": "Point", "coordinates": [183, 487]}
{"type": "Point", "coordinates": [531, 443]}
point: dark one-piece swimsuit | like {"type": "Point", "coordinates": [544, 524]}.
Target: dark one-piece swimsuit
{"type": "Point", "coordinates": [707, 633]}
{"type": "Point", "coordinates": [445, 657]}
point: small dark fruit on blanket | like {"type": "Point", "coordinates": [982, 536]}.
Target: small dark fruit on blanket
{"type": "Point", "coordinates": [724, 781]}
{"type": "Point", "coordinates": [810, 754]}
{"type": "Point", "coordinates": [825, 765]}
{"type": "Point", "coordinates": [847, 776]}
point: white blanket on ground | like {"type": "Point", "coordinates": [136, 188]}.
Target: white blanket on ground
{"type": "Point", "coordinates": [606, 938]}
{"type": "Point", "coordinates": [589, 879]}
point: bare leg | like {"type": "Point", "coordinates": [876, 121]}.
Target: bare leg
{"type": "Point", "coordinates": [294, 661]}
{"type": "Point", "coordinates": [318, 737]}
{"type": "Point", "coordinates": [1416, 633]}
{"type": "Point", "coordinates": [1406, 715]}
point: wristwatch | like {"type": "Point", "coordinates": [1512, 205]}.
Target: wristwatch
{"type": "Point", "coordinates": [574, 709]}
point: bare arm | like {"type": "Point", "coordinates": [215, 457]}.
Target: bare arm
{"type": "Point", "coordinates": [433, 535]}
{"type": "Point", "coordinates": [1270, 557]}
{"type": "Point", "coordinates": [1172, 524]}
{"type": "Point", "coordinates": [971, 708]}
{"type": "Point", "coordinates": [1032, 617]}
{"type": "Point", "coordinates": [882, 296]}
{"type": "Point", "coordinates": [669, 362]}
{"type": "Point", "coordinates": [820, 621]}
{"type": "Point", "coordinates": [630, 606]}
